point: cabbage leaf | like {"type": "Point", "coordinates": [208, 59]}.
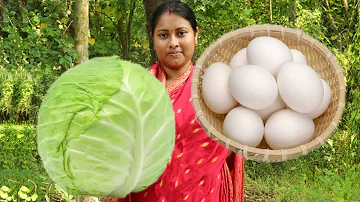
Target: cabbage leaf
{"type": "Point", "coordinates": [105, 128]}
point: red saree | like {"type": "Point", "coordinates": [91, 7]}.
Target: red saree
{"type": "Point", "coordinates": [198, 171]}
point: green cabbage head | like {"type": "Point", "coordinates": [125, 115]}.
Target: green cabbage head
{"type": "Point", "coordinates": [105, 128]}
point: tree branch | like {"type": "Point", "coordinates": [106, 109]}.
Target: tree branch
{"type": "Point", "coordinates": [21, 8]}
{"type": "Point", "coordinates": [293, 12]}
{"type": "Point", "coordinates": [353, 14]}
{"type": "Point", "coordinates": [327, 4]}
{"type": "Point", "coordinates": [120, 28]}
{"type": "Point", "coordinates": [327, 11]}
{"type": "Point", "coordinates": [2, 7]}
{"type": "Point", "coordinates": [128, 29]}
{"type": "Point", "coordinates": [271, 13]}
{"type": "Point", "coordinates": [115, 25]}
{"type": "Point", "coordinates": [345, 7]}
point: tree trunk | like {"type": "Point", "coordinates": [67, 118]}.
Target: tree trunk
{"type": "Point", "coordinates": [128, 29]}
{"type": "Point", "coordinates": [81, 46]}
{"type": "Point", "coordinates": [293, 12]}
{"type": "Point", "coordinates": [327, 4]}
{"type": "Point", "coordinates": [2, 7]}
{"type": "Point", "coordinates": [271, 13]}
{"type": "Point", "coordinates": [150, 7]}
{"type": "Point", "coordinates": [345, 7]}
{"type": "Point", "coordinates": [355, 16]}
{"type": "Point", "coordinates": [124, 30]}
{"type": "Point", "coordinates": [81, 30]}
{"type": "Point", "coordinates": [332, 20]}
{"type": "Point", "coordinates": [122, 38]}
{"type": "Point", "coordinates": [21, 9]}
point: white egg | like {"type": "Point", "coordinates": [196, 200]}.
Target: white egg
{"type": "Point", "coordinates": [274, 107]}
{"type": "Point", "coordinates": [215, 88]}
{"type": "Point", "coordinates": [244, 126]}
{"type": "Point", "coordinates": [300, 87]}
{"type": "Point", "coordinates": [253, 86]}
{"type": "Point", "coordinates": [269, 53]}
{"type": "Point", "coordinates": [287, 129]}
{"type": "Point", "coordinates": [324, 103]}
{"type": "Point", "coordinates": [298, 56]}
{"type": "Point", "coordinates": [239, 59]}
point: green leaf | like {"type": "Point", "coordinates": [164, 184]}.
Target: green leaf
{"type": "Point", "coordinates": [22, 195]}
{"type": "Point", "coordinates": [334, 37]}
{"type": "Point", "coordinates": [64, 20]}
{"type": "Point", "coordinates": [63, 61]}
{"type": "Point", "coordinates": [112, 95]}
{"type": "Point", "coordinates": [3, 195]}
{"type": "Point", "coordinates": [5, 189]}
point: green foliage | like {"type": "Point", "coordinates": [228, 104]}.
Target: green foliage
{"type": "Point", "coordinates": [352, 113]}
{"type": "Point", "coordinates": [27, 185]}
{"type": "Point", "coordinates": [309, 20]}
{"type": "Point", "coordinates": [340, 20]}
{"type": "Point", "coordinates": [302, 179]}
{"type": "Point", "coordinates": [327, 186]}
{"type": "Point", "coordinates": [35, 48]}
{"type": "Point", "coordinates": [20, 166]}
{"type": "Point", "coordinates": [216, 18]}
{"type": "Point", "coordinates": [7, 91]}
{"type": "Point", "coordinates": [25, 91]}
{"type": "Point", "coordinates": [21, 92]}
{"type": "Point", "coordinates": [36, 41]}
{"type": "Point", "coordinates": [15, 193]}
{"type": "Point", "coordinates": [112, 21]}
{"type": "Point", "coordinates": [18, 148]}
{"type": "Point", "coordinates": [22, 176]}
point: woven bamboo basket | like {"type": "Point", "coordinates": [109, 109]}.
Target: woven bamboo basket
{"type": "Point", "coordinates": [318, 56]}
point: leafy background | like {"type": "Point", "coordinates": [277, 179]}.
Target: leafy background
{"type": "Point", "coordinates": [37, 45]}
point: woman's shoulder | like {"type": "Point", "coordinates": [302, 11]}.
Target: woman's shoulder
{"type": "Point", "coordinates": [154, 66]}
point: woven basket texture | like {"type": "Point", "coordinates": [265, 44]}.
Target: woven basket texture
{"type": "Point", "coordinates": [318, 56]}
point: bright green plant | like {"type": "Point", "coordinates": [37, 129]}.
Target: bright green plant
{"type": "Point", "coordinates": [216, 18]}
{"type": "Point", "coordinates": [36, 47]}
{"type": "Point", "coordinates": [352, 113]}
{"type": "Point", "coordinates": [37, 41]}
{"type": "Point", "coordinates": [315, 28]}
{"type": "Point", "coordinates": [26, 89]}
{"type": "Point", "coordinates": [6, 96]}
{"type": "Point", "coordinates": [18, 148]}
{"type": "Point", "coordinates": [21, 93]}
{"type": "Point", "coordinates": [25, 194]}
{"type": "Point", "coordinates": [20, 166]}
{"type": "Point", "coordinates": [328, 186]}
{"type": "Point", "coordinates": [24, 185]}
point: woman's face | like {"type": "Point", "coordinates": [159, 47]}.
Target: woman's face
{"type": "Point", "coordinates": [174, 40]}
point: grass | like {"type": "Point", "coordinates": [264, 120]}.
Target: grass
{"type": "Point", "coordinates": [329, 173]}
{"type": "Point", "coordinates": [301, 185]}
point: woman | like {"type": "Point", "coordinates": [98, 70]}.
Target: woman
{"type": "Point", "coordinates": [198, 170]}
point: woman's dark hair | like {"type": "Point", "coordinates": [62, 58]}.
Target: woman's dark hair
{"type": "Point", "coordinates": [175, 7]}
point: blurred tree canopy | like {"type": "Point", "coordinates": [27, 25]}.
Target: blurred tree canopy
{"type": "Point", "coordinates": [120, 27]}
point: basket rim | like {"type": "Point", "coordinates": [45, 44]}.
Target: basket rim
{"type": "Point", "coordinates": [252, 152]}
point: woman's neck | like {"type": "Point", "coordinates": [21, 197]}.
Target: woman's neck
{"type": "Point", "coordinates": [173, 73]}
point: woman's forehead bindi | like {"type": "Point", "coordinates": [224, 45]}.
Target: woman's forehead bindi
{"type": "Point", "coordinates": [170, 10]}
